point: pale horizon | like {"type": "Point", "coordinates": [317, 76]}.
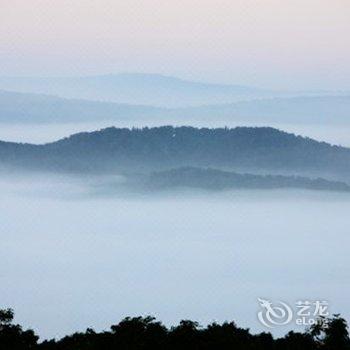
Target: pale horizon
{"type": "Point", "coordinates": [295, 45]}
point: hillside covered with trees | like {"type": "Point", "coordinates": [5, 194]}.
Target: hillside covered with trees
{"type": "Point", "coordinates": [264, 150]}
{"type": "Point", "coordinates": [213, 179]}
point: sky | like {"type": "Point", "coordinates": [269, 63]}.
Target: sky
{"type": "Point", "coordinates": [289, 44]}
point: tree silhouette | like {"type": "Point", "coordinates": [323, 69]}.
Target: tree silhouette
{"type": "Point", "coordinates": [146, 333]}
{"type": "Point", "coordinates": [12, 337]}
{"type": "Point", "coordinates": [332, 333]}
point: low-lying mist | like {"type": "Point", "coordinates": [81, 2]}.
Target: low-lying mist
{"type": "Point", "coordinates": [74, 257]}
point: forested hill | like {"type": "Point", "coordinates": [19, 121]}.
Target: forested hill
{"type": "Point", "coordinates": [213, 179]}
{"type": "Point", "coordinates": [112, 149]}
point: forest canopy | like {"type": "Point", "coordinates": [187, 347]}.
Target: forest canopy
{"type": "Point", "coordinates": [149, 333]}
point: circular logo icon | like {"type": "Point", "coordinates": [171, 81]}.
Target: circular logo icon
{"type": "Point", "coordinates": [274, 315]}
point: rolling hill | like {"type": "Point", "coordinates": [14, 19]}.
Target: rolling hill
{"type": "Point", "coordinates": [213, 179]}
{"type": "Point", "coordinates": [112, 150]}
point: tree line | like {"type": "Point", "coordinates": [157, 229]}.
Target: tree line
{"type": "Point", "coordinates": [143, 333]}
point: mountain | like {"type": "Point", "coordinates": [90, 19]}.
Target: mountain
{"type": "Point", "coordinates": [144, 89]}
{"type": "Point", "coordinates": [301, 109]}
{"type": "Point", "coordinates": [213, 179]}
{"type": "Point", "coordinates": [112, 150]}
{"type": "Point", "coordinates": [34, 108]}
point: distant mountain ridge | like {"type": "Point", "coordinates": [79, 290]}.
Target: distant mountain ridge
{"type": "Point", "coordinates": [113, 150]}
{"type": "Point", "coordinates": [35, 108]}
{"type": "Point", "coordinates": [133, 88]}
{"type": "Point", "coordinates": [142, 89]}
{"type": "Point", "coordinates": [300, 109]}
{"type": "Point", "coordinates": [39, 108]}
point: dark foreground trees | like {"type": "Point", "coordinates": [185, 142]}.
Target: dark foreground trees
{"type": "Point", "coordinates": [12, 337]}
{"type": "Point", "coordinates": [143, 333]}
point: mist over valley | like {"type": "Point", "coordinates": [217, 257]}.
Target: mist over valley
{"type": "Point", "coordinates": [186, 220]}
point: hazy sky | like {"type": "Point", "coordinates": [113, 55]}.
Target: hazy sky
{"type": "Point", "coordinates": [277, 43]}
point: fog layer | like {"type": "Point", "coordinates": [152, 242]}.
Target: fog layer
{"type": "Point", "coordinates": [71, 260]}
